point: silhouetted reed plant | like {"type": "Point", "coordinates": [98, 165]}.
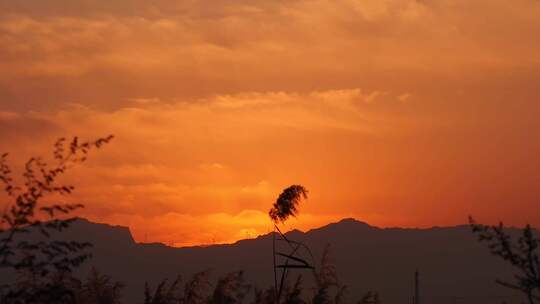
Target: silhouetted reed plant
{"type": "Point", "coordinates": [286, 206]}
{"type": "Point", "coordinates": [42, 265]}
{"type": "Point", "coordinates": [328, 288]}
{"type": "Point", "coordinates": [232, 288]}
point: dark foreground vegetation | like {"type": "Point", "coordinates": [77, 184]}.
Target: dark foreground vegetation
{"type": "Point", "coordinates": [41, 269]}
{"type": "Point", "coordinates": [522, 254]}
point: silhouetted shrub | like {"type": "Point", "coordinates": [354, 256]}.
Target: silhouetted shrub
{"type": "Point", "coordinates": [293, 293]}
{"type": "Point", "coordinates": [230, 289]}
{"type": "Point", "coordinates": [196, 291]}
{"type": "Point", "coordinates": [370, 298]}
{"type": "Point", "coordinates": [327, 279]}
{"type": "Point", "coordinates": [41, 264]}
{"type": "Point", "coordinates": [163, 294]}
{"type": "Point", "coordinates": [99, 289]}
{"type": "Point", "coordinates": [521, 254]}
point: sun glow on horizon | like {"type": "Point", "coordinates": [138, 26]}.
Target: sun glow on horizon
{"type": "Point", "coordinates": [399, 113]}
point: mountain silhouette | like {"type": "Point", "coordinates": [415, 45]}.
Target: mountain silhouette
{"type": "Point", "coordinates": [453, 266]}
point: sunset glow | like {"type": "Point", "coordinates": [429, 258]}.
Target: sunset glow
{"type": "Point", "coordinates": [395, 112]}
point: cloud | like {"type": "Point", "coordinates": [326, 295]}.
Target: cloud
{"type": "Point", "coordinates": [404, 97]}
{"type": "Point", "coordinates": [213, 166]}
{"type": "Point", "coordinates": [359, 152]}
{"type": "Point", "coordinates": [18, 129]}
{"type": "Point", "coordinates": [218, 155]}
{"type": "Point", "coordinates": [387, 109]}
{"type": "Point", "coordinates": [106, 55]}
{"type": "Point", "coordinates": [7, 116]}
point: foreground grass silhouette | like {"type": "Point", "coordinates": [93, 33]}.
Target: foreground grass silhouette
{"type": "Point", "coordinates": [43, 267]}
{"type": "Point", "coordinates": [232, 288]}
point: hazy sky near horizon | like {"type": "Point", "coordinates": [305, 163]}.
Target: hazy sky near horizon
{"type": "Point", "coordinates": [395, 112]}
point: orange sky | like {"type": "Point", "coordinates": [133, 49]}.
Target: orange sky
{"type": "Point", "coordinates": [395, 112]}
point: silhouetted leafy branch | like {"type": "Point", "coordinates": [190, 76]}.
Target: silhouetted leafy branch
{"type": "Point", "coordinates": [27, 211]}
{"type": "Point", "coordinates": [522, 255]}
